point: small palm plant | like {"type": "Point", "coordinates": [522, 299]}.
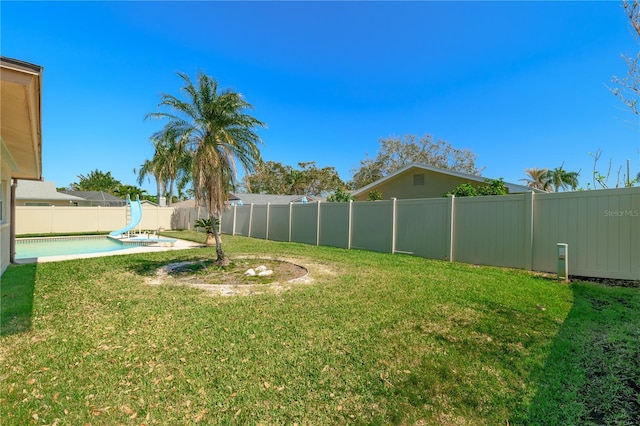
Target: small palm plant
{"type": "Point", "coordinates": [208, 225]}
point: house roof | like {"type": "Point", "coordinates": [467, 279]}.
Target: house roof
{"type": "Point", "coordinates": [21, 124]}
{"type": "Point", "coordinates": [512, 187]}
{"type": "Point", "coordinates": [95, 196]}
{"type": "Point", "coordinates": [37, 190]}
{"type": "Point", "coordinates": [268, 198]}
{"type": "Point", "coordinates": [248, 199]}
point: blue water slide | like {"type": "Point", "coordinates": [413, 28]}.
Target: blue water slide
{"type": "Point", "coordinates": [136, 216]}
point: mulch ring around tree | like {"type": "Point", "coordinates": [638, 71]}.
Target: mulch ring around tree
{"type": "Point", "coordinates": [233, 280]}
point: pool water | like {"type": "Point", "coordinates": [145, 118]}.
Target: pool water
{"type": "Point", "coordinates": [42, 247]}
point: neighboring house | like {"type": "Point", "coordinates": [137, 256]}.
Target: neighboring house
{"type": "Point", "coordinates": [424, 181]}
{"type": "Point", "coordinates": [97, 198]}
{"type": "Point", "coordinates": [20, 141]}
{"type": "Point", "coordinates": [35, 193]}
{"type": "Point", "coordinates": [248, 199]}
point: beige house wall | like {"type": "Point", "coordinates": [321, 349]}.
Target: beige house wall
{"type": "Point", "coordinates": [403, 186]}
{"type": "Point", "coordinates": [5, 212]}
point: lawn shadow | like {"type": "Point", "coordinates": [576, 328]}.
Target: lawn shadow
{"type": "Point", "coordinates": [592, 371]}
{"type": "Point", "coordinates": [16, 298]}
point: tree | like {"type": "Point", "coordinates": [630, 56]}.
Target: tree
{"type": "Point", "coordinates": [130, 190]}
{"type": "Point", "coordinates": [537, 179]}
{"type": "Point", "coordinates": [153, 167]}
{"type": "Point", "coordinates": [603, 179]}
{"type": "Point", "coordinates": [170, 163]}
{"type": "Point", "coordinates": [317, 182]}
{"type": "Point", "coordinates": [272, 177]}
{"type": "Point", "coordinates": [396, 153]}
{"type": "Point", "coordinates": [97, 180]}
{"type": "Point", "coordinates": [217, 133]}
{"type": "Point", "coordinates": [559, 179]}
{"type": "Point", "coordinates": [551, 180]}
{"type": "Point", "coordinates": [340, 195]}
{"type": "Point", "coordinates": [374, 195]}
{"type": "Point", "coordinates": [269, 177]}
{"type": "Point", "coordinates": [628, 87]}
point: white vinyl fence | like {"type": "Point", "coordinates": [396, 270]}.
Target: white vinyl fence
{"type": "Point", "coordinates": [63, 219]}
{"type": "Point", "coordinates": [601, 228]}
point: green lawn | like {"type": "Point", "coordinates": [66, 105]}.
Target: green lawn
{"type": "Point", "coordinates": [376, 339]}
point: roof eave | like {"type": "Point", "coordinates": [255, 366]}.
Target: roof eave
{"type": "Point", "coordinates": [20, 105]}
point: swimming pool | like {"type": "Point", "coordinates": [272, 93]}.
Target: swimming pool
{"type": "Point", "coordinates": [27, 248]}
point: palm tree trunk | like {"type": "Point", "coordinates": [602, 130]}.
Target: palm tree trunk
{"type": "Point", "coordinates": [171, 181]}
{"type": "Point", "coordinates": [222, 259]}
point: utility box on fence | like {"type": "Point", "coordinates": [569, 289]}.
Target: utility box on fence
{"type": "Point", "coordinates": [563, 262]}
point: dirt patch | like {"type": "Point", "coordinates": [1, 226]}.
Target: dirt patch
{"type": "Point", "coordinates": [237, 273]}
{"type": "Point", "coordinates": [233, 279]}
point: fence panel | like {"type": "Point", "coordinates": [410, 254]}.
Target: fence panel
{"type": "Point", "coordinates": [60, 219]}
{"type": "Point", "coordinates": [155, 218]}
{"type": "Point", "coordinates": [334, 224]}
{"type": "Point", "coordinates": [33, 220]}
{"type": "Point", "coordinates": [243, 220]}
{"type": "Point", "coordinates": [259, 221]}
{"type": "Point", "coordinates": [72, 219]}
{"type": "Point", "coordinates": [180, 218]}
{"type": "Point", "coordinates": [602, 229]}
{"type": "Point", "coordinates": [279, 222]}
{"type": "Point", "coordinates": [304, 223]}
{"type": "Point", "coordinates": [185, 217]}
{"type": "Point", "coordinates": [371, 227]}
{"type": "Point", "coordinates": [226, 221]}
{"type": "Point", "coordinates": [490, 230]}
{"type": "Point", "coordinates": [422, 227]}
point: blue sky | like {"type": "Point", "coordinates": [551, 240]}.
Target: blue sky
{"type": "Point", "coordinates": [521, 84]}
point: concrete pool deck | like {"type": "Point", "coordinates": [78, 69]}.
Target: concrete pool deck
{"type": "Point", "coordinates": [178, 245]}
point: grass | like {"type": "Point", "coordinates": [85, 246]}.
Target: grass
{"type": "Point", "coordinates": [385, 339]}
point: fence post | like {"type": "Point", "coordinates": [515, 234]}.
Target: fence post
{"type": "Point", "coordinates": [233, 228]}
{"type": "Point", "coordinates": [290, 218]}
{"type": "Point", "coordinates": [528, 231]}
{"type": "Point", "coordinates": [350, 223]}
{"type": "Point", "coordinates": [393, 225]}
{"type": "Point", "coordinates": [250, 219]}
{"type": "Point", "coordinates": [266, 232]}
{"type": "Point", "coordinates": [451, 226]}
{"type": "Point", "coordinates": [318, 226]}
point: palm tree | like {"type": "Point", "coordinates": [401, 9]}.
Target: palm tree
{"type": "Point", "coordinates": [173, 160]}
{"type": "Point", "coordinates": [169, 165]}
{"type": "Point", "coordinates": [537, 179]}
{"type": "Point", "coordinates": [216, 133]}
{"type": "Point", "coordinates": [559, 178]}
{"type": "Point", "coordinates": [154, 167]}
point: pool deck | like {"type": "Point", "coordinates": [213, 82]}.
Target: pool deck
{"type": "Point", "coordinates": [178, 245]}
